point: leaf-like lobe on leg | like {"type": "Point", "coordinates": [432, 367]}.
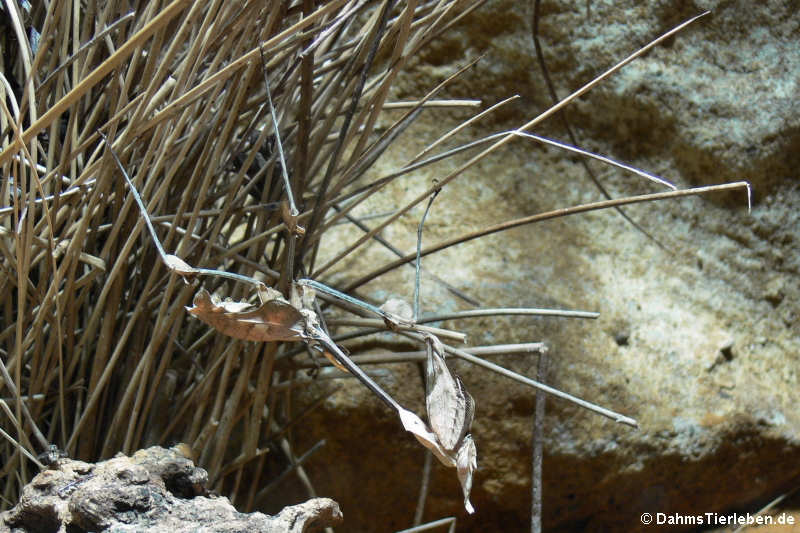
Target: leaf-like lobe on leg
{"type": "Point", "coordinates": [466, 464]}
{"type": "Point", "coordinates": [274, 320]}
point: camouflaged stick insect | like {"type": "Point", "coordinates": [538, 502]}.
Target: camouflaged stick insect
{"type": "Point", "coordinates": [449, 406]}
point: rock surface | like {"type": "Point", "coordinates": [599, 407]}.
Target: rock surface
{"type": "Point", "coordinates": [698, 337]}
{"type": "Point", "coordinates": [155, 490]}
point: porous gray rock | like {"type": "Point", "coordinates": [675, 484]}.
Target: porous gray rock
{"type": "Point", "coordinates": [698, 337]}
{"type": "Point", "coordinates": [155, 490]}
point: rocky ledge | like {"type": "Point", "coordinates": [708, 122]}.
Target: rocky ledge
{"type": "Point", "coordinates": [156, 490]}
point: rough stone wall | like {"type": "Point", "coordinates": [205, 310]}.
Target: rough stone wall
{"type": "Point", "coordinates": [698, 337]}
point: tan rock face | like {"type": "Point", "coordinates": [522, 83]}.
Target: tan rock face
{"type": "Point", "coordinates": [698, 337]}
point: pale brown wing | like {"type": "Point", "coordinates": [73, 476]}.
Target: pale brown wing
{"type": "Point", "coordinates": [450, 407]}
